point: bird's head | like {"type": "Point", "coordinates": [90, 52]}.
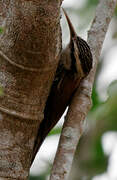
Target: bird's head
{"type": "Point", "coordinates": [81, 56]}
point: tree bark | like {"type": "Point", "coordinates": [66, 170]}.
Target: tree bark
{"type": "Point", "coordinates": [30, 47]}
{"type": "Point", "coordinates": [81, 102]}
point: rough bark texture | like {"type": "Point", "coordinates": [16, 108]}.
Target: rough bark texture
{"type": "Point", "coordinates": [29, 52]}
{"type": "Point", "coordinates": [81, 102]}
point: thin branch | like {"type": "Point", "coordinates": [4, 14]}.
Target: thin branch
{"type": "Point", "coordinates": [81, 102]}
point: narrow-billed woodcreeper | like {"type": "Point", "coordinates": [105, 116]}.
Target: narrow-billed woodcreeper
{"type": "Point", "coordinates": [75, 63]}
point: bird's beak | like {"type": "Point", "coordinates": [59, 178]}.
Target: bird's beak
{"type": "Point", "coordinates": [71, 28]}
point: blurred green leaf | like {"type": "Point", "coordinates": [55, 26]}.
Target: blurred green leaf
{"type": "Point", "coordinates": [96, 102]}
{"type": "Point", "coordinates": [89, 7]}
{"type": "Point", "coordinates": [55, 131]}
{"type": "Point", "coordinates": [95, 99]}
{"type": "Point", "coordinates": [100, 160]}
{"type": "Point", "coordinates": [116, 11]}
{"type": "Point", "coordinates": [1, 30]}
{"type": "Point", "coordinates": [92, 3]}
{"type": "Point", "coordinates": [96, 161]}
{"type": "Point", "coordinates": [114, 36]}
{"type": "Point", "coordinates": [37, 177]}
{"type": "Point", "coordinates": [107, 112]}
{"type": "Point", "coordinates": [1, 91]}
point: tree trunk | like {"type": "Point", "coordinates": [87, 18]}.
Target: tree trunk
{"type": "Point", "coordinates": [30, 47]}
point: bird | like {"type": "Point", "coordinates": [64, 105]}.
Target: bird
{"type": "Point", "coordinates": [75, 64]}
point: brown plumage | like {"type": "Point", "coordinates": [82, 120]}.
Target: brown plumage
{"type": "Point", "coordinates": [74, 65]}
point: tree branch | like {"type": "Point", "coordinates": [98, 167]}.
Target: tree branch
{"type": "Point", "coordinates": [81, 102]}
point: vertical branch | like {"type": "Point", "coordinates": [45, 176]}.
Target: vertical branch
{"type": "Point", "coordinates": [81, 102]}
